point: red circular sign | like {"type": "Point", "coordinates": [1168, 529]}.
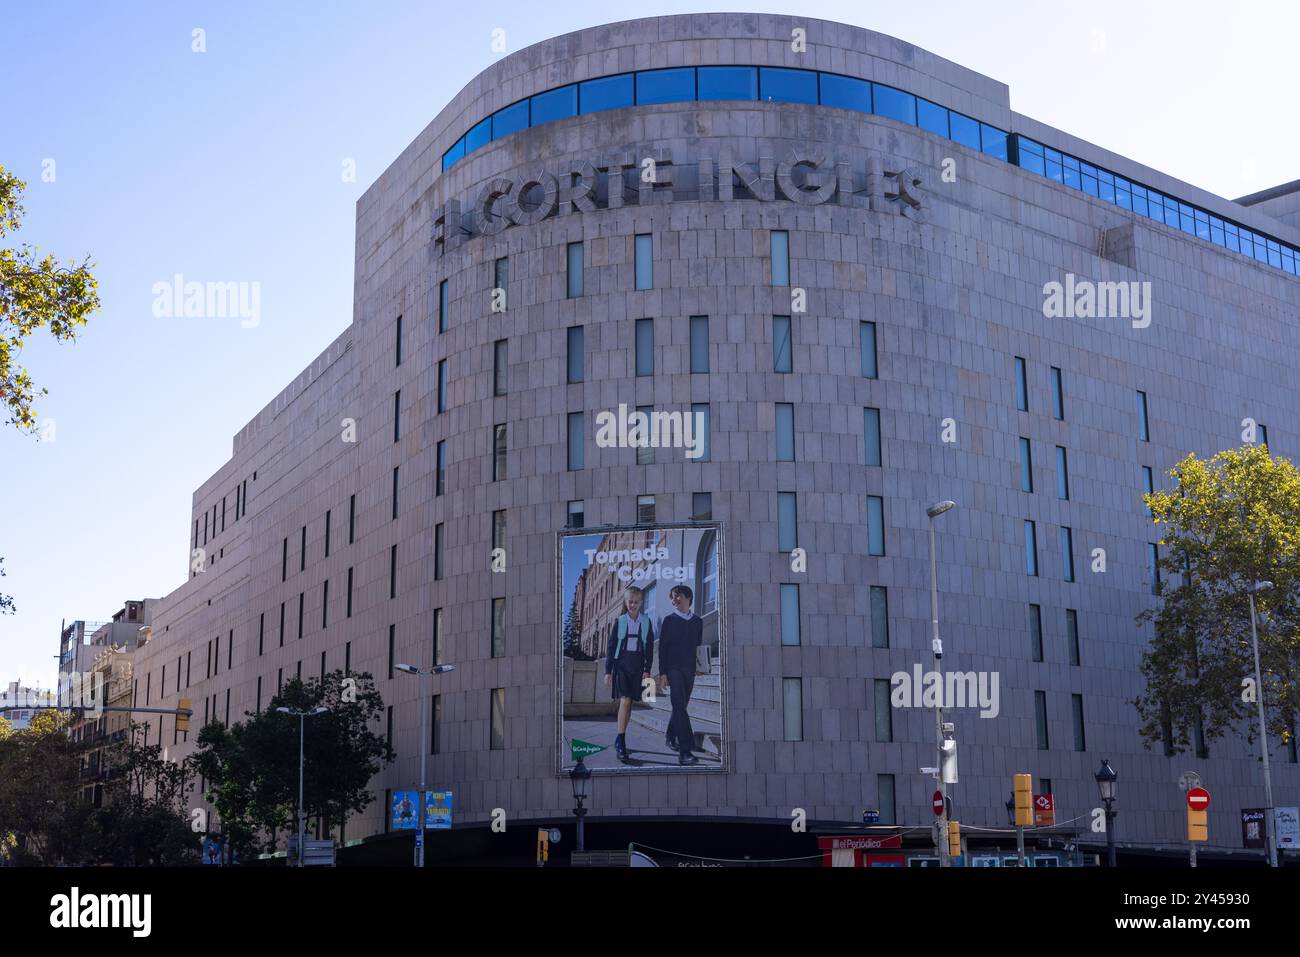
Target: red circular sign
{"type": "Point", "coordinates": [1198, 799]}
{"type": "Point", "coordinates": [937, 803]}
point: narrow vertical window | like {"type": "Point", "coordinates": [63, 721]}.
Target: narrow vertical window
{"type": "Point", "coordinates": [699, 332]}
{"type": "Point", "coordinates": [879, 616]}
{"type": "Point", "coordinates": [1144, 433]}
{"type": "Point", "coordinates": [1035, 619]}
{"type": "Point", "coordinates": [497, 740]}
{"type": "Point", "coordinates": [575, 279]}
{"type": "Point", "coordinates": [645, 453]}
{"type": "Point", "coordinates": [1062, 474]}
{"type": "Point", "coordinates": [395, 469]}
{"type": "Point", "coordinates": [700, 422]}
{"type": "Point", "coordinates": [574, 348]}
{"type": "Point", "coordinates": [867, 346]}
{"type": "Point", "coordinates": [1148, 487]}
{"type": "Point", "coordinates": [281, 624]}
{"type": "Point", "coordinates": [789, 614]}
{"type": "Point", "coordinates": [397, 345]}
{"type": "Point", "coordinates": [784, 432]}
{"type": "Point", "coordinates": [327, 533]}
{"type": "Point", "coordinates": [1022, 388]}
{"type": "Point", "coordinates": [575, 512]}
{"type": "Point", "coordinates": [1031, 548]}
{"type": "Point", "coordinates": [1058, 394]}
{"type": "Point", "coordinates": [325, 604]}
{"type": "Point", "coordinates": [284, 559]}
{"type": "Point", "coordinates": [645, 347]}
{"type": "Point", "coordinates": [1080, 741]}
{"type": "Point", "coordinates": [883, 711]}
{"type": "Point", "coordinates": [787, 529]}
{"type": "Point", "coordinates": [875, 525]}
{"type": "Point", "coordinates": [871, 435]}
{"type": "Point", "coordinates": [1026, 466]}
{"type": "Point", "coordinates": [1153, 567]}
{"type": "Point", "coordinates": [397, 414]}
{"type": "Point", "coordinates": [392, 572]}
{"type": "Point", "coordinates": [1067, 554]}
{"type": "Point", "coordinates": [885, 798]}
{"type": "Point", "coordinates": [437, 638]}
{"type": "Point", "coordinates": [780, 258]}
{"type": "Point", "coordinates": [437, 551]}
{"type": "Point", "coordinates": [645, 266]}
{"type": "Point", "coordinates": [302, 601]}
{"type": "Point", "coordinates": [440, 467]}
{"type": "Point", "coordinates": [444, 306]}
{"type": "Point", "coordinates": [1072, 634]}
{"type": "Point", "coordinates": [1040, 718]}
{"type": "Point", "coordinates": [576, 456]}
{"type": "Point", "coordinates": [498, 627]}
{"type": "Point", "coordinates": [500, 283]}
{"type": "Point", "coordinates": [349, 600]}
{"type": "Point", "coordinates": [302, 551]}
{"type": "Point", "coordinates": [499, 528]}
{"type": "Point", "coordinates": [352, 519]}
{"type": "Point", "coordinates": [258, 707]}
{"type": "Point", "coordinates": [392, 647]}
{"type": "Point", "coordinates": [261, 632]}
{"type": "Point", "coordinates": [499, 366]}
{"type": "Point", "coordinates": [701, 506]}
{"type": "Point", "coordinates": [645, 509]}
{"type": "Point", "coordinates": [442, 385]}
{"type": "Point", "coordinates": [498, 452]}
{"type": "Point", "coordinates": [782, 348]}
{"type": "Point", "coordinates": [792, 705]}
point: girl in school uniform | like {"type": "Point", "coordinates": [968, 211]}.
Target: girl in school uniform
{"type": "Point", "coordinates": [627, 660]}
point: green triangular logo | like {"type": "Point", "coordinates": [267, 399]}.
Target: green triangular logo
{"type": "Point", "coordinates": [582, 749]}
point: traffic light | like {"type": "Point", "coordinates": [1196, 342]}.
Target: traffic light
{"type": "Point", "coordinates": [183, 720]}
{"type": "Point", "coordinates": [543, 846]}
{"type": "Point", "coordinates": [1024, 784]}
{"type": "Point", "coordinates": [1198, 827]}
{"type": "Point", "coordinates": [954, 838]}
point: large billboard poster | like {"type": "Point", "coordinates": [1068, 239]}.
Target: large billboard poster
{"type": "Point", "coordinates": [641, 649]}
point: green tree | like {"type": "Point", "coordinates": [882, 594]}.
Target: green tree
{"type": "Point", "coordinates": [144, 819]}
{"type": "Point", "coordinates": [252, 766]}
{"type": "Point", "coordinates": [1228, 522]}
{"type": "Point", "coordinates": [34, 294]}
{"type": "Point", "coordinates": [40, 795]}
{"type": "Point", "coordinates": [6, 601]}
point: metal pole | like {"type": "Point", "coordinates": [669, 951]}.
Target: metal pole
{"type": "Point", "coordinates": [581, 812]}
{"type": "Point", "coordinates": [1263, 739]}
{"type": "Point", "coordinates": [302, 821]}
{"type": "Point", "coordinates": [1193, 846]}
{"type": "Point", "coordinates": [419, 844]}
{"type": "Point", "coordinates": [941, 839]}
{"type": "Point", "coordinates": [1020, 843]}
{"type": "Point", "coordinates": [1110, 835]}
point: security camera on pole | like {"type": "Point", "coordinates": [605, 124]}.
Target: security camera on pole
{"type": "Point", "coordinates": [944, 761]}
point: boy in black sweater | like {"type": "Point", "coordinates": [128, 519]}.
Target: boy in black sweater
{"type": "Point", "coordinates": [680, 635]}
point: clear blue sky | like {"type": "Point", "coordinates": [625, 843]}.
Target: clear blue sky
{"type": "Point", "coordinates": [226, 165]}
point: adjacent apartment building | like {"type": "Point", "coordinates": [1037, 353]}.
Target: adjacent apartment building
{"type": "Point", "coordinates": [839, 253]}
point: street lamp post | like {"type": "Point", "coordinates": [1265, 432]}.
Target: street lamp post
{"type": "Point", "coordinates": [302, 717]}
{"type": "Point", "coordinates": [1271, 836]}
{"type": "Point", "coordinates": [941, 839]}
{"type": "Point", "coordinates": [580, 776]}
{"type": "Point", "coordinates": [1106, 784]}
{"type": "Point", "coordinates": [424, 698]}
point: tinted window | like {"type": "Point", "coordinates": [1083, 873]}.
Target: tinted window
{"type": "Point", "coordinates": [993, 141]}
{"type": "Point", "coordinates": [894, 104]}
{"type": "Point", "coordinates": [555, 104]}
{"type": "Point", "coordinates": [510, 120]}
{"type": "Point", "coordinates": [455, 153]}
{"type": "Point", "coordinates": [932, 117]}
{"type": "Point", "coordinates": [787, 86]}
{"type": "Point", "coordinates": [846, 93]}
{"type": "Point", "coordinates": [728, 83]}
{"type": "Point", "coordinates": [965, 130]}
{"type": "Point", "coordinates": [665, 86]}
{"type": "Point", "coordinates": [607, 93]}
{"type": "Point", "coordinates": [479, 135]}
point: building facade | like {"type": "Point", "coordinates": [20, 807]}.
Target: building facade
{"type": "Point", "coordinates": [838, 253]}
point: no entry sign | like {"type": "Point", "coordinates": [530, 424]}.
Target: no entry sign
{"type": "Point", "coordinates": [937, 803]}
{"type": "Point", "coordinates": [1198, 799]}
